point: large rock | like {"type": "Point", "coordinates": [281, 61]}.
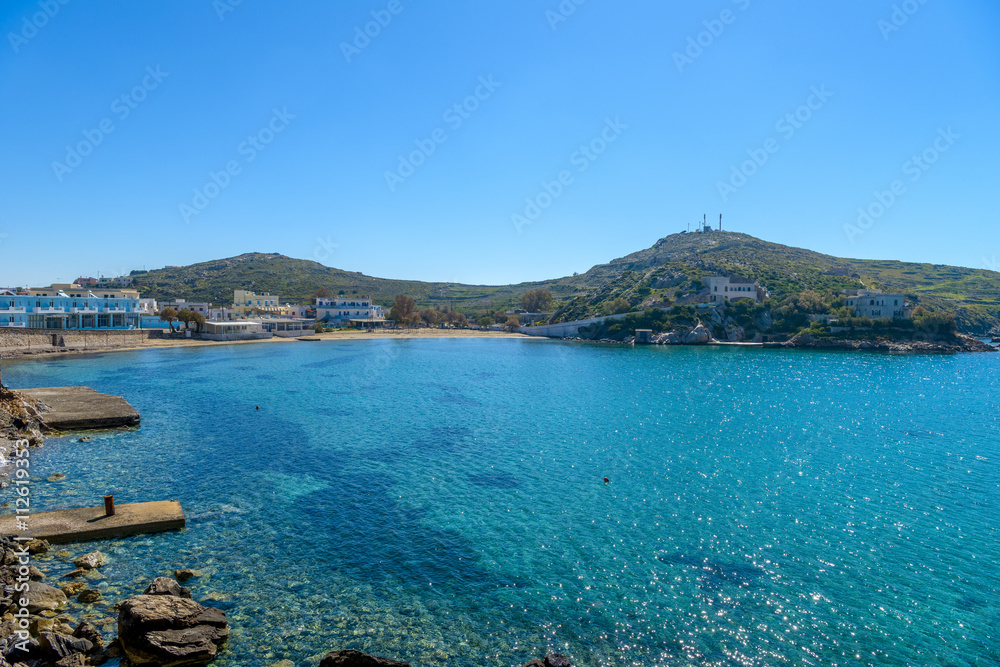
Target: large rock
{"type": "Point", "coordinates": [351, 658]}
{"type": "Point", "coordinates": [697, 336]}
{"type": "Point", "coordinates": [42, 597]}
{"type": "Point", "coordinates": [91, 634]}
{"type": "Point", "coordinates": [57, 646]}
{"type": "Point", "coordinates": [91, 560]}
{"type": "Point", "coordinates": [170, 631]}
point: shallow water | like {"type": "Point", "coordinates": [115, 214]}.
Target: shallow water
{"type": "Point", "coordinates": [441, 501]}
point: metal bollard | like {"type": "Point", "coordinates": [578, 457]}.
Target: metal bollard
{"type": "Point", "coordinates": [109, 505]}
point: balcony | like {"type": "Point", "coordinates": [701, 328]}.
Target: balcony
{"type": "Point", "coordinates": [48, 310]}
{"type": "Point", "coordinates": [12, 309]}
{"type": "Point", "coordinates": [14, 324]}
{"type": "Point", "coordinates": [115, 310]}
{"type": "Point", "coordinates": [83, 311]}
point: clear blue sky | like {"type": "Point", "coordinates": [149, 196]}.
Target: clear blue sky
{"type": "Point", "coordinates": [199, 78]}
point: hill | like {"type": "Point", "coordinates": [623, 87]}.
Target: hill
{"type": "Point", "coordinates": [668, 272]}
{"type": "Point", "coordinates": [296, 280]}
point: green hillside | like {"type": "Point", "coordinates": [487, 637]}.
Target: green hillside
{"type": "Point", "coordinates": [296, 280]}
{"type": "Point", "coordinates": [669, 272]}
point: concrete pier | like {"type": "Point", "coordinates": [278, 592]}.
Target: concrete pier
{"type": "Point", "coordinates": [91, 523]}
{"type": "Point", "coordinates": [76, 408]}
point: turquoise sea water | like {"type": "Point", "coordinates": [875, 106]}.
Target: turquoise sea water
{"type": "Point", "coordinates": [442, 502]}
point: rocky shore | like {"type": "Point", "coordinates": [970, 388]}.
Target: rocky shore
{"type": "Point", "coordinates": [700, 335]}
{"type": "Point", "coordinates": [961, 343]}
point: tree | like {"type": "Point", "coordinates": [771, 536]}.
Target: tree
{"type": "Point", "coordinates": [402, 309]}
{"type": "Point", "coordinates": [485, 321]}
{"type": "Point", "coordinates": [456, 319]}
{"type": "Point", "coordinates": [512, 324]}
{"type": "Point", "coordinates": [184, 315]}
{"type": "Point", "coordinates": [322, 293]}
{"type": "Point", "coordinates": [616, 306]}
{"type": "Point", "coordinates": [198, 320]}
{"type": "Point", "coordinates": [537, 301]}
{"type": "Point", "coordinates": [429, 316]}
{"type": "Point", "coordinates": [169, 315]}
{"type": "Point", "coordinates": [500, 316]}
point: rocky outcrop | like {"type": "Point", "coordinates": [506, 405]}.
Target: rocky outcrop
{"type": "Point", "coordinates": [19, 418]}
{"type": "Point", "coordinates": [960, 343]}
{"type": "Point", "coordinates": [166, 630]}
{"type": "Point", "coordinates": [699, 335]}
{"type": "Point", "coordinates": [350, 658]}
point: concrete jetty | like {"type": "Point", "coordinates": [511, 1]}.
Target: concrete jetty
{"type": "Point", "coordinates": [77, 408]}
{"type": "Point", "coordinates": [91, 523]}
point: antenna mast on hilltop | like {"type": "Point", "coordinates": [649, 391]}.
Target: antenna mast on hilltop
{"type": "Point", "coordinates": [720, 222]}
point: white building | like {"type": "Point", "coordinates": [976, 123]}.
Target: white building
{"type": "Point", "coordinates": [875, 304]}
{"type": "Point", "coordinates": [242, 330]}
{"type": "Point", "coordinates": [70, 306]}
{"type": "Point", "coordinates": [342, 311]}
{"type": "Point", "coordinates": [723, 288]}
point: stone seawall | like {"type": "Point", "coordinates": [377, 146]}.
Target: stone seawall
{"type": "Point", "coordinates": [17, 342]}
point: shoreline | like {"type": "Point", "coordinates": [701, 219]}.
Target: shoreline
{"type": "Point", "coordinates": [12, 354]}
{"type": "Point", "coordinates": [964, 343]}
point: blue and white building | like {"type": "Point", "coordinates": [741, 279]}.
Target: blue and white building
{"type": "Point", "coordinates": [349, 311]}
{"type": "Point", "coordinates": [70, 306]}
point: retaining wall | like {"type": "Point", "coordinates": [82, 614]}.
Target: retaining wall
{"type": "Point", "coordinates": [18, 341]}
{"type": "Point", "coordinates": [565, 329]}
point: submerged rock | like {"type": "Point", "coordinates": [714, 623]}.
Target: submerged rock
{"type": "Point", "coordinates": [170, 631]}
{"type": "Point", "coordinates": [167, 586]}
{"type": "Point", "coordinates": [185, 574]}
{"type": "Point", "coordinates": [73, 588]}
{"type": "Point", "coordinates": [351, 658]}
{"type": "Point", "coordinates": [89, 596]}
{"type": "Point", "coordinates": [551, 660]}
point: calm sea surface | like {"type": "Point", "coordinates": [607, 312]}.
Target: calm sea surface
{"type": "Point", "coordinates": [442, 502]}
